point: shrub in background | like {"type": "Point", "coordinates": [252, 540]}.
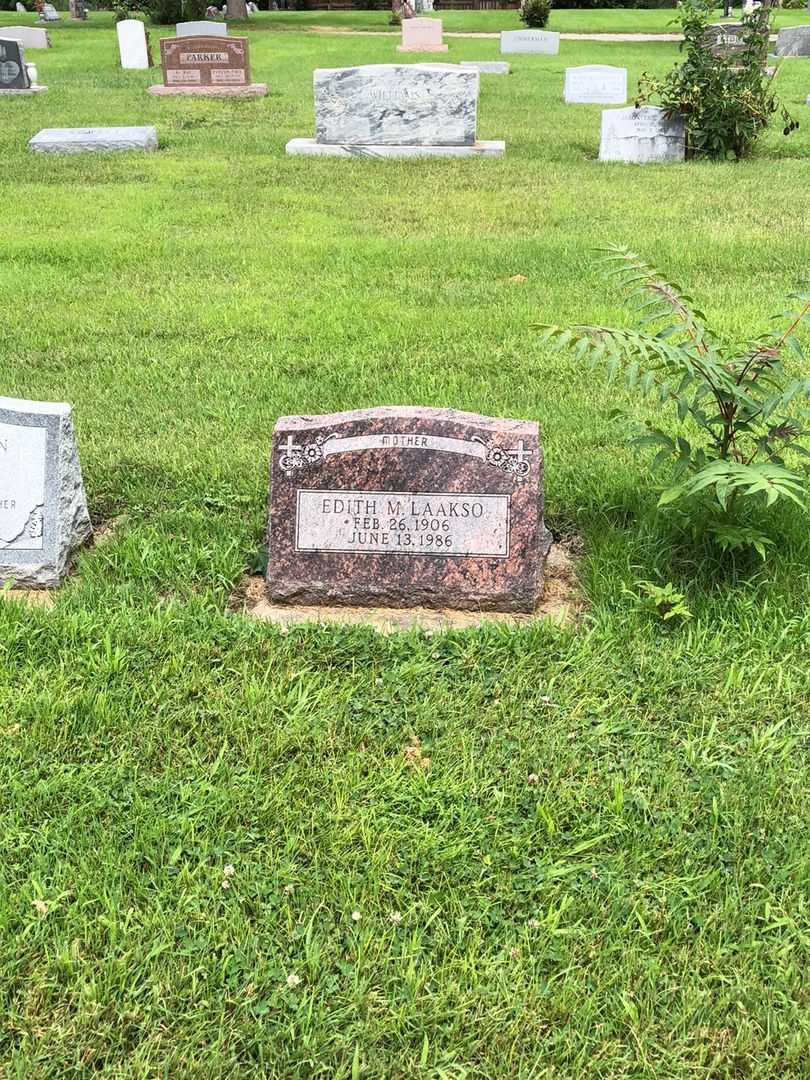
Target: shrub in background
{"type": "Point", "coordinates": [739, 403]}
{"type": "Point", "coordinates": [726, 102]}
{"type": "Point", "coordinates": [535, 13]}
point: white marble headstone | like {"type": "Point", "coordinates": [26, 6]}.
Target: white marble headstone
{"type": "Point", "coordinates": [595, 84]}
{"type": "Point", "coordinates": [30, 37]}
{"type": "Point", "coordinates": [396, 104]}
{"type": "Point", "coordinates": [201, 27]}
{"type": "Point", "coordinates": [43, 510]}
{"type": "Point", "coordinates": [530, 41]}
{"type": "Point", "coordinates": [641, 135]}
{"type": "Point", "coordinates": [132, 45]}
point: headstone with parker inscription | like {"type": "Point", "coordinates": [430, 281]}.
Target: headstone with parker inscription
{"type": "Point", "coordinates": [404, 507]}
{"type": "Point", "coordinates": [206, 67]}
{"type": "Point", "coordinates": [43, 511]}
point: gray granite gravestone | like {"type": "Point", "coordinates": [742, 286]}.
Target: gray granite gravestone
{"type": "Point", "coordinates": [13, 72]}
{"type": "Point", "coordinates": [93, 140]}
{"type": "Point", "coordinates": [43, 511]}
{"type": "Point", "coordinates": [399, 507]}
{"type": "Point", "coordinates": [530, 41]}
{"type": "Point", "coordinates": [396, 110]}
{"type": "Point", "coordinates": [641, 136]}
{"type": "Point", "coordinates": [793, 41]}
{"type": "Point", "coordinates": [725, 39]}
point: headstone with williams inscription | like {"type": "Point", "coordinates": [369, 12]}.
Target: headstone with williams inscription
{"type": "Point", "coordinates": [402, 507]}
{"type": "Point", "coordinates": [43, 511]}
{"type": "Point", "coordinates": [396, 110]}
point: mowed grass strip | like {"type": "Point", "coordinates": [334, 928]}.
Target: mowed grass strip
{"type": "Point", "coordinates": [602, 870]}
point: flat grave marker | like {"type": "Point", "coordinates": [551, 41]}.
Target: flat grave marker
{"type": "Point", "coordinates": [94, 140]}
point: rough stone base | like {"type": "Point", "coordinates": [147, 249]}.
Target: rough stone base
{"type": "Point", "coordinates": [252, 91]}
{"type": "Point", "coordinates": [422, 48]}
{"type": "Point", "coordinates": [561, 604]}
{"type": "Point", "coordinates": [482, 148]}
{"type": "Point", "coordinates": [93, 140]}
{"type": "Point", "coordinates": [487, 67]}
{"type": "Point", "coordinates": [25, 93]}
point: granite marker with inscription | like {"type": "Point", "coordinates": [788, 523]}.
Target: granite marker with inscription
{"type": "Point", "coordinates": [43, 511]}
{"type": "Point", "coordinates": [400, 507]}
{"type": "Point", "coordinates": [205, 66]}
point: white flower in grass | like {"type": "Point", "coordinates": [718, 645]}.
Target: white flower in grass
{"type": "Point", "coordinates": [395, 917]}
{"type": "Point", "coordinates": [534, 924]}
{"type": "Point", "coordinates": [288, 889]}
{"type": "Point", "coordinates": [229, 870]}
{"type": "Point", "coordinates": [355, 916]}
{"type": "Point", "coordinates": [293, 980]}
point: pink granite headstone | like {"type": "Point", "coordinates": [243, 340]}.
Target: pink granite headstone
{"type": "Point", "coordinates": [406, 507]}
{"type": "Point", "coordinates": [422, 35]}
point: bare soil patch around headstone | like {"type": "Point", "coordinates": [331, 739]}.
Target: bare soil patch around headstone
{"type": "Point", "coordinates": [562, 604]}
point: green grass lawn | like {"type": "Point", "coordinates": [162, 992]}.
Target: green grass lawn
{"type": "Point", "coordinates": [642, 909]}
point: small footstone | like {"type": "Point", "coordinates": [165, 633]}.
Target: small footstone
{"type": "Point", "coordinates": [43, 511]}
{"type": "Point", "coordinates": [93, 140]}
{"type": "Point", "coordinates": [487, 67]}
{"type": "Point", "coordinates": [402, 507]}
